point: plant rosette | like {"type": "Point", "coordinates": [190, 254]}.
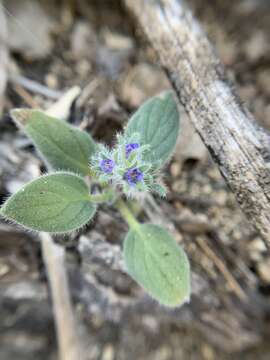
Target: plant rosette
{"type": "Point", "coordinates": [62, 201]}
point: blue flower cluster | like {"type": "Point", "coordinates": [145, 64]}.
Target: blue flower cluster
{"type": "Point", "coordinates": [126, 167]}
{"type": "Point", "coordinates": [107, 165]}
{"type": "Point", "coordinates": [133, 176]}
{"type": "Point", "coordinates": [130, 147]}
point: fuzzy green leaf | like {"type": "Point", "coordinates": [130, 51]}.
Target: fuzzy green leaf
{"type": "Point", "coordinates": [158, 264]}
{"type": "Point", "coordinates": [159, 189]}
{"type": "Point", "coordinates": [63, 146]}
{"type": "Point", "coordinates": [54, 203]}
{"type": "Point", "coordinates": [157, 122]}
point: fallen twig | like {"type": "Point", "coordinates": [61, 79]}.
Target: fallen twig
{"type": "Point", "coordinates": [35, 87]}
{"type": "Point", "coordinates": [28, 98]}
{"type": "Point", "coordinates": [233, 284]}
{"type": "Point", "coordinates": [54, 258]}
{"type": "Point", "coordinates": [226, 127]}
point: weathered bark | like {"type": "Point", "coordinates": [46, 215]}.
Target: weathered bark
{"type": "Point", "coordinates": [226, 127]}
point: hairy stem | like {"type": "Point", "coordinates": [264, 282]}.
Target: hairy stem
{"type": "Point", "coordinates": [126, 213]}
{"type": "Point", "coordinates": [102, 197]}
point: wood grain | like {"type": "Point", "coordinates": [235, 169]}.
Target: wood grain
{"type": "Point", "coordinates": [228, 130]}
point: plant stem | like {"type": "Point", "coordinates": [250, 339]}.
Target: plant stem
{"type": "Point", "coordinates": [126, 213]}
{"type": "Point", "coordinates": [93, 175]}
{"type": "Point", "coordinates": [102, 197]}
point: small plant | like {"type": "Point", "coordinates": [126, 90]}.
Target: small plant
{"type": "Point", "coordinates": [62, 201]}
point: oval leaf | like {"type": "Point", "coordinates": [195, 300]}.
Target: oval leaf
{"type": "Point", "coordinates": [157, 122]}
{"type": "Point", "coordinates": [158, 264]}
{"type": "Point", "coordinates": [52, 203]}
{"type": "Point", "coordinates": [63, 146]}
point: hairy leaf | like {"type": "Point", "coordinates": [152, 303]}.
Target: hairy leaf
{"type": "Point", "coordinates": [157, 122]}
{"type": "Point", "coordinates": [63, 146]}
{"type": "Point", "coordinates": [52, 203]}
{"type": "Point", "coordinates": [158, 264]}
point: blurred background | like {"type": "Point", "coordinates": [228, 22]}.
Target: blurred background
{"type": "Point", "coordinates": [92, 58]}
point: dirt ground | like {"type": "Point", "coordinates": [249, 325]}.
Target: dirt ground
{"type": "Point", "coordinates": [96, 46]}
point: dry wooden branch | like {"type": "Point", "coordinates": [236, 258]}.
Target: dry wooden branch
{"type": "Point", "coordinates": [226, 127]}
{"type": "Point", "coordinates": [54, 258]}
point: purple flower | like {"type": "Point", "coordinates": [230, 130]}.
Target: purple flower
{"type": "Point", "coordinates": [107, 165]}
{"type": "Point", "coordinates": [133, 176]}
{"type": "Point", "coordinates": [130, 148]}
